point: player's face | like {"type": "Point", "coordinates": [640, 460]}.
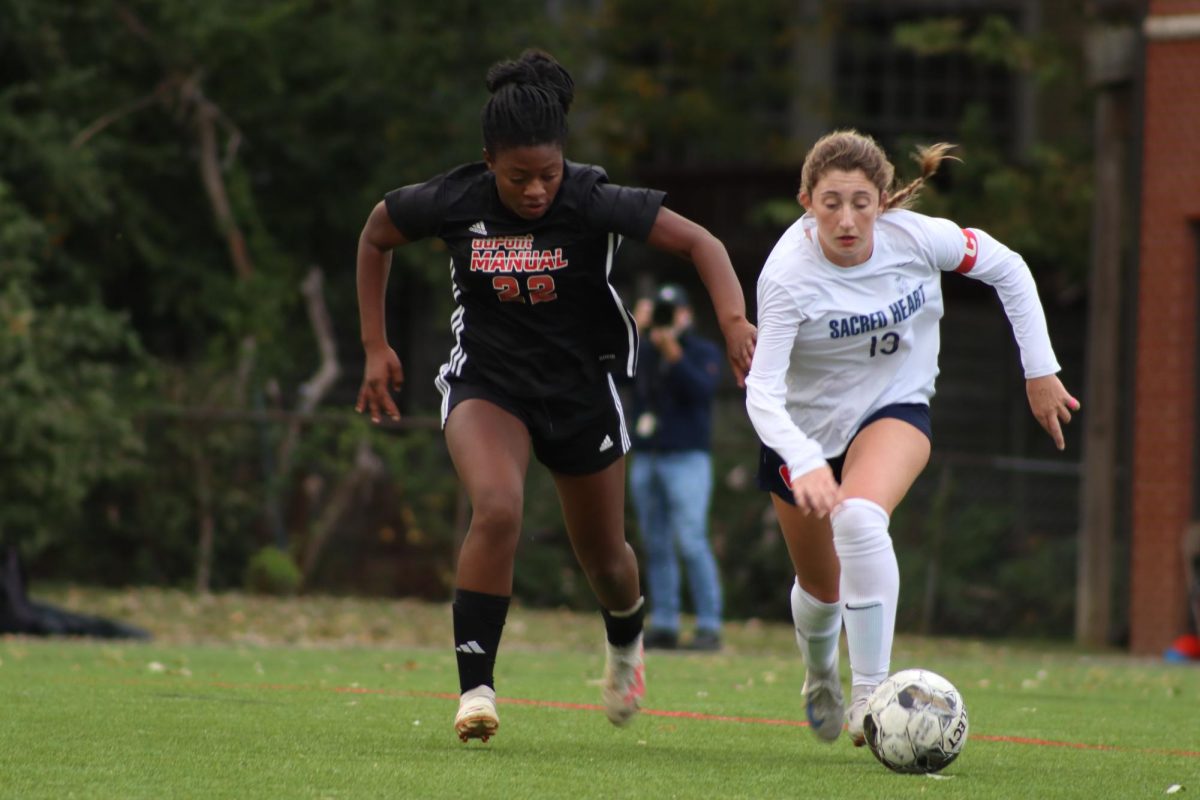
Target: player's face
{"type": "Point", "coordinates": [846, 205]}
{"type": "Point", "coordinates": [527, 178]}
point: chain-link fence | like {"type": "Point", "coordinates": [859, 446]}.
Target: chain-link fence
{"type": "Point", "coordinates": [985, 543]}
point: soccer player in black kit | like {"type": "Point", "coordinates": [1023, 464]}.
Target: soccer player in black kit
{"type": "Point", "coordinates": [539, 332]}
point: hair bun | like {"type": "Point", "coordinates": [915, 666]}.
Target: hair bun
{"type": "Point", "coordinates": [534, 68]}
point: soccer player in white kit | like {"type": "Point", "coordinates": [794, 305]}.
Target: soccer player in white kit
{"type": "Point", "coordinates": [848, 307]}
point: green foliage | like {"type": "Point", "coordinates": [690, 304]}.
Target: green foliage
{"type": "Point", "coordinates": [990, 190]}
{"type": "Point", "coordinates": [547, 574]}
{"type": "Point", "coordinates": [756, 572]}
{"type": "Point", "coordinates": [712, 90]}
{"type": "Point", "coordinates": [63, 426]}
{"type": "Point", "coordinates": [59, 417]}
{"type": "Point", "coordinates": [272, 571]}
{"type": "Point", "coordinates": [1010, 200]}
{"type": "Point", "coordinates": [318, 110]}
{"type": "Point", "coordinates": [995, 40]}
{"type": "Point", "coordinates": [398, 536]}
{"type": "Point", "coordinates": [968, 568]}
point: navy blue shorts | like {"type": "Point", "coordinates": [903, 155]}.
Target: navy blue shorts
{"type": "Point", "coordinates": [575, 434]}
{"type": "Point", "coordinates": [773, 473]}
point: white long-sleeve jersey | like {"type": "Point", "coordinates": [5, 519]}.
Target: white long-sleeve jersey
{"type": "Point", "coordinates": [835, 344]}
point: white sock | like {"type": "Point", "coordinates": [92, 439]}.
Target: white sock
{"type": "Point", "coordinates": [818, 628]}
{"type": "Point", "coordinates": [870, 587]}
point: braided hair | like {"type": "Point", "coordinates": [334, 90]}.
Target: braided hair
{"type": "Point", "coordinates": [529, 102]}
{"type": "Point", "coordinates": [849, 150]}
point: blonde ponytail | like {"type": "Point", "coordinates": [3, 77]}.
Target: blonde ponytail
{"type": "Point", "coordinates": [930, 158]}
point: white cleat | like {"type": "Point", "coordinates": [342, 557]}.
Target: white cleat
{"type": "Point", "coordinates": [824, 706]}
{"type": "Point", "coordinates": [624, 681]}
{"type": "Point", "coordinates": [477, 717]}
{"type": "Point", "coordinates": [858, 711]}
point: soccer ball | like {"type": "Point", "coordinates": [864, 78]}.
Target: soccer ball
{"type": "Point", "coordinates": [916, 722]}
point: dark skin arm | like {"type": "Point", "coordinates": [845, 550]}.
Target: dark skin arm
{"type": "Point", "coordinates": [681, 237]}
{"type": "Point", "coordinates": [383, 372]}
{"type": "Point", "coordinates": [671, 233]}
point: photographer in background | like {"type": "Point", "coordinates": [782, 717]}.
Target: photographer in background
{"type": "Point", "coordinates": [670, 475]}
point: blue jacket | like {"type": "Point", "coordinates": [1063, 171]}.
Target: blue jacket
{"type": "Point", "coordinates": [672, 403]}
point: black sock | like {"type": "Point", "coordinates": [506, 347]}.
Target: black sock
{"type": "Point", "coordinates": [623, 627]}
{"type": "Point", "coordinates": [478, 623]}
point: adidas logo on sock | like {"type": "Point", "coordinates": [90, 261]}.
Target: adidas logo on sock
{"type": "Point", "coordinates": [606, 444]}
{"type": "Point", "coordinates": [471, 647]}
{"type": "Point", "coordinates": [478, 228]}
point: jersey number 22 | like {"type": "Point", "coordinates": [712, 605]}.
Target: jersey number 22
{"type": "Point", "coordinates": [540, 288]}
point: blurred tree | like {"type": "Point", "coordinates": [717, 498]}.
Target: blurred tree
{"type": "Point", "coordinates": [716, 90]}
{"type": "Point", "coordinates": [64, 428]}
{"type": "Point", "coordinates": [1010, 197]}
{"type": "Point", "coordinates": [171, 171]}
{"type": "Point", "coordinates": [312, 109]}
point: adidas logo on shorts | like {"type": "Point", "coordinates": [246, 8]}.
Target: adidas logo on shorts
{"type": "Point", "coordinates": [606, 444]}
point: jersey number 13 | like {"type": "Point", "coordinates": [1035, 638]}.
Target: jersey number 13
{"type": "Point", "coordinates": [885, 345]}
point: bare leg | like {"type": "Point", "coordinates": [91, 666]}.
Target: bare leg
{"type": "Point", "coordinates": [594, 511]}
{"type": "Point", "coordinates": [883, 462]}
{"type": "Point", "coordinates": [490, 451]}
{"type": "Point", "coordinates": [809, 542]}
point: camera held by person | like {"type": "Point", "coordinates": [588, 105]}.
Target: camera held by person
{"type": "Point", "coordinates": [663, 315]}
{"type": "Point", "coordinates": [670, 317]}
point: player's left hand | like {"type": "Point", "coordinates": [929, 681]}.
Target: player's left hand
{"type": "Point", "coordinates": [1052, 405]}
{"type": "Point", "coordinates": [740, 338]}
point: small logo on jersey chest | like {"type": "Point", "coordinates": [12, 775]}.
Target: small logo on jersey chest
{"type": "Point", "coordinates": [479, 228]}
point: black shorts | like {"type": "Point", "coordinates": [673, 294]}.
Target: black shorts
{"type": "Point", "coordinates": [773, 473]}
{"type": "Point", "coordinates": [575, 434]}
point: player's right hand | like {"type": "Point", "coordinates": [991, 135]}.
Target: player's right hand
{"type": "Point", "coordinates": [816, 492]}
{"type": "Point", "coordinates": [381, 376]}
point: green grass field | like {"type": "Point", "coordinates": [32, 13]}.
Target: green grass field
{"type": "Point", "coordinates": [246, 698]}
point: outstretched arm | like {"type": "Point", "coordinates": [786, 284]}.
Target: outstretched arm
{"type": "Point", "coordinates": [682, 237]}
{"type": "Point", "coordinates": [383, 372]}
{"type": "Point", "coordinates": [997, 265]}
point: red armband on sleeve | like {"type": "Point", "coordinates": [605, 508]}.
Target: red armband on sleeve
{"type": "Point", "coordinates": [970, 252]}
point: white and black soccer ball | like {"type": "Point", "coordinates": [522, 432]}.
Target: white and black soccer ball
{"type": "Point", "coordinates": [916, 722]}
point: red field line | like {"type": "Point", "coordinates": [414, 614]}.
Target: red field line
{"type": "Point", "coordinates": [792, 723]}
{"type": "Point", "coordinates": [653, 712]}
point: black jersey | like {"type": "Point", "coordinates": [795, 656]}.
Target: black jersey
{"type": "Point", "coordinates": [536, 312]}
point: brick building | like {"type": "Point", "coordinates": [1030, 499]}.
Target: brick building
{"type": "Point", "coordinates": [1165, 495]}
